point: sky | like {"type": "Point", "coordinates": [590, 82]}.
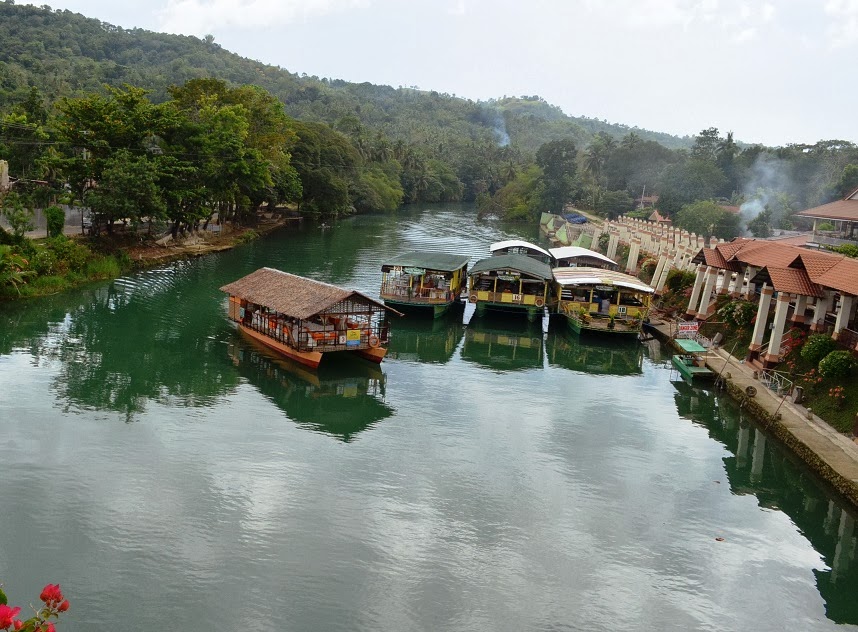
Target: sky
{"type": "Point", "coordinates": [770, 71]}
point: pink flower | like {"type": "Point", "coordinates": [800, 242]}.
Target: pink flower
{"type": "Point", "coordinates": [51, 595]}
{"type": "Point", "coordinates": [63, 606]}
{"type": "Point", "coordinates": [6, 616]}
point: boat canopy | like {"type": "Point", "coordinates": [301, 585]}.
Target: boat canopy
{"type": "Point", "coordinates": [518, 243]}
{"type": "Point", "coordinates": [440, 261]}
{"type": "Point", "coordinates": [575, 252]}
{"type": "Point", "coordinates": [690, 346]}
{"type": "Point", "coordinates": [519, 263]}
{"type": "Point", "coordinates": [292, 295]}
{"type": "Point", "coordinates": [598, 276]}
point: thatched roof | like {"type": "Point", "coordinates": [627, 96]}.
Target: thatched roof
{"type": "Point", "coordinates": [290, 294]}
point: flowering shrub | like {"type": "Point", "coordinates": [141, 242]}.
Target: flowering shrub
{"type": "Point", "coordinates": [54, 604]}
{"type": "Point", "coordinates": [811, 379]}
{"type": "Point", "coordinates": [738, 313]}
{"type": "Point", "coordinates": [837, 364]}
{"type": "Point", "coordinates": [838, 394]}
{"type": "Point", "coordinates": [817, 347]}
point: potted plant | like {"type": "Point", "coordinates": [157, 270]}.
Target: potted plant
{"type": "Point", "coordinates": [611, 319]}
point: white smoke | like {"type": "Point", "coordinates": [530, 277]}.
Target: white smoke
{"type": "Point", "coordinates": [767, 179]}
{"type": "Point", "coordinates": [500, 131]}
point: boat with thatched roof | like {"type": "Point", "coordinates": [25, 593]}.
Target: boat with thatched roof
{"type": "Point", "coordinates": [424, 281]}
{"type": "Point", "coordinates": [304, 319]}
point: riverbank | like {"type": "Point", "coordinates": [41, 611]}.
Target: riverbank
{"type": "Point", "coordinates": [832, 455]}
{"type": "Point", "coordinates": [89, 264]}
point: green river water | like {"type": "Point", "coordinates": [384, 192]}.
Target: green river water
{"type": "Point", "coordinates": [171, 475]}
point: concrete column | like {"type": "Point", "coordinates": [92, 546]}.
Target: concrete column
{"type": "Point", "coordinates": [781, 309]}
{"type": "Point", "coordinates": [751, 272]}
{"type": "Point", "coordinates": [597, 233]}
{"type": "Point", "coordinates": [634, 252]}
{"type": "Point", "coordinates": [695, 291]}
{"type": "Point", "coordinates": [800, 309]}
{"type": "Point", "coordinates": [706, 295]}
{"type": "Point", "coordinates": [820, 308]}
{"type": "Point", "coordinates": [662, 261]}
{"type": "Point", "coordinates": [613, 242]}
{"type": "Point", "coordinates": [758, 455]}
{"type": "Point", "coordinates": [659, 286]}
{"type": "Point", "coordinates": [843, 314]}
{"type": "Point", "coordinates": [723, 281]}
{"type": "Point", "coordinates": [762, 318]}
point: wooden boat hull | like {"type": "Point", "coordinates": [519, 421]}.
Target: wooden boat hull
{"type": "Point", "coordinates": [307, 358]}
{"type": "Point", "coordinates": [436, 309]}
{"type": "Point", "coordinates": [373, 354]}
{"type": "Point", "coordinates": [576, 325]}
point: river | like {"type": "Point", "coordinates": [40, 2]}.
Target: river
{"type": "Point", "coordinates": [171, 475]}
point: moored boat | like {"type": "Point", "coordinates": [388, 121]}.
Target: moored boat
{"type": "Point", "coordinates": [691, 364]}
{"type": "Point", "coordinates": [600, 300]}
{"type": "Point", "coordinates": [521, 247]}
{"type": "Point", "coordinates": [304, 319]}
{"type": "Point", "coordinates": [511, 283]}
{"type": "Point", "coordinates": [424, 281]}
{"type": "Point", "coordinates": [576, 256]}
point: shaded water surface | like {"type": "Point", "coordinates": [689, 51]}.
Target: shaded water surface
{"type": "Point", "coordinates": [169, 473]}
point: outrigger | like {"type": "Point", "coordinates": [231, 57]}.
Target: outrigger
{"type": "Point", "coordinates": [304, 319]}
{"type": "Point", "coordinates": [424, 281]}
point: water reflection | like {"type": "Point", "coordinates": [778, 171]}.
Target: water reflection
{"type": "Point", "coordinates": [594, 354]}
{"type": "Point", "coordinates": [758, 466]}
{"type": "Point", "coordinates": [425, 340]}
{"type": "Point", "coordinates": [342, 398]}
{"type": "Point", "coordinates": [504, 345]}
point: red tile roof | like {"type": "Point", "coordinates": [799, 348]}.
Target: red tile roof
{"type": "Point", "coordinates": [839, 210]}
{"type": "Point", "coordinates": [842, 276]}
{"type": "Point", "coordinates": [761, 253]}
{"type": "Point", "coordinates": [793, 281]}
{"type": "Point", "coordinates": [816, 263]}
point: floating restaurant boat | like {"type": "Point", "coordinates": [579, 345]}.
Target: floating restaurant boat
{"type": "Point", "coordinates": [595, 299]}
{"type": "Point", "coordinates": [521, 247]}
{"type": "Point", "coordinates": [511, 282]}
{"type": "Point", "coordinates": [424, 281]}
{"type": "Point", "coordinates": [304, 319]}
{"type": "Point", "coordinates": [691, 364]}
{"type": "Point", "coordinates": [576, 256]}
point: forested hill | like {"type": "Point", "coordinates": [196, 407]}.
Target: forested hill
{"type": "Point", "coordinates": [66, 54]}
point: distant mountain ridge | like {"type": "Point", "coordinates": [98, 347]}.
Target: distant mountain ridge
{"type": "Point", "coordinates": [67, 54]}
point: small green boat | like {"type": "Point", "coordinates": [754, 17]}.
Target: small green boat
{"type": "Point", "coordinates": [691, 364]}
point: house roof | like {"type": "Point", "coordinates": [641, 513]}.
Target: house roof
{"type": "Point", "coordinates": [789, 280]}
{"type": "Point", "coordinates": [845, 209]}
{"type": "Point", "coordinates": [290, 294]}
{"type": "Point", "coordinates": [519, 263]}
{"type": "Point", "coordinates": [441, 261]}
{"type": "Point", "coordinates": [598, 276]}
{"type": "Point", "coordinates": [842, 276]}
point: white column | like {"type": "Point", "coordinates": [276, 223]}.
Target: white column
{"type": "Point", "coordinates": [843, 314]}
{"type": "Point", "coordinates": [613, 242]}
{"type": "Point", "coordinates": [659, 286]}
{"type": "Point", "coordinates": [781, 309]}
{"type": "Point", "coordinates": [706, 295]}
{"type": "Point", "coordinates": [658, 268]}
{"type": "Point", "coordinates": [800, 308]}
{"type": "Point", "coordinates": [762, 318]}
{"type": "Point", "coordinates": [695, 292]}
{"type": "Point", "coordinates": [822, 306]}
{"type": "Point", "coordinates": [634, 252]}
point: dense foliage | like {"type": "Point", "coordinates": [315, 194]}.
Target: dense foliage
{"type": "Point", "coordinates": [817, 347]}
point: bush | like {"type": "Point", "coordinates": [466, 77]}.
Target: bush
{"type": "Point", "coordinates": [56, 219]}
{"type": "Point", "coordinates": [817, 347]}
{"type": "Point", "coordinates": [70, 255]}
{"type": "Point", "coordinates": [678, 280]}
{"type": "Point", "coordinates": [738, 313]}
{"type": "Point", "coordinates": [837, 364]}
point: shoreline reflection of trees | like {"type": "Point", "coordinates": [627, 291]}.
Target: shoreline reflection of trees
{"type": "Point", "coordinates": [342, 398]}
{"type": "Point", "coordinates": [758, 466]}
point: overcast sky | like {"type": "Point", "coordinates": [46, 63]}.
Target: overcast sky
{"type": "Point", "coordinates": [772, 71]}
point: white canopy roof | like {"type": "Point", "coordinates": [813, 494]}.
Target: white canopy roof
{"type": "Point", "coordinates": [571, 252]}
{"type": "Point", "coordinates": [511, 243]}
{"type": "Point", "coordinates": [596, 276]}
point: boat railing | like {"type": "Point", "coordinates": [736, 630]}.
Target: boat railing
{"type": "Point", "coordinates": [304, 337]}
{"type": "Point", "coordinates": [391, 289]}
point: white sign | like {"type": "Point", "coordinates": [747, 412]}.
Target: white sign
{"type": "Point", "coordinates": [690, 326]}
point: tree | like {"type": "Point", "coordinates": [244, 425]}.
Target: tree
{"type": "Point", "coordinates": [707, 218]}
{"type": "Point", "coordinates": [706, 145]}
{"type": "Point", "coordinates": [761, 225]}
{"type": "Point", "coordinates": [557, 160]}
{"type": "Point", "coordinates": [848, 181]}
{"type": "Point", "coordinates": [18, 213]}
{"type": "Point", "coordinates": [687, 182]}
